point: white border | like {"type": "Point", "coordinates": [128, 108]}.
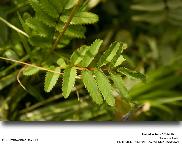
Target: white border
{"type": "Point", "coordinates": [85, 136]}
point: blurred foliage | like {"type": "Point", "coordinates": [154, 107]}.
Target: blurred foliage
{"type": "Point", "coordinates": [151, 28]}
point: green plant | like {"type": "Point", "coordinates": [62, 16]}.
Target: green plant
{"type": "Point", "coordinates": [56, 23]}
{"type": "Point", "coordinates": [45, 46]}
{"type": "Point", "coordinates": [81, 60]}
{"type": "Point", "coordinates": [56, 20]}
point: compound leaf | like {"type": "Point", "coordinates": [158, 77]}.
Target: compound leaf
{"type": "Point", "coordinates": [109, 54]}
{"type": "Point", "coordinates": [51, 78]}
{"type": "Point", "coordinates": [104, 87]}
{"type": "Point", "coordinates": [131, 73]}
{"type": "Point", "coordinates": [61, 62]}
{"type": "Point", "coordinates": [78, 55]}
{"type": "Point", "coordinates": [68, 81]}
{"type": "Point", "coordinates": [118, 58]}
{"type": "Point", "coordinates": [81, 18]}
{"type": "Point", "coordinates": [59, 5]}
{"type": "Point", "coordinates": [49, 8]}
{"type": "Point", "coordinates": [119, 84]}
{"type": "Point", "coordinates": [76, 31]}
{"type": "Point", "coordinates": [119, 61]}
{"type": "Point", "coordinates": [91, 86]}
{"type": "Point", "coordinates": [28, 71]}
{"type": "Point", "coordinates": [91, 53]}
{"type": "Point", "coordinates": [70, 4]}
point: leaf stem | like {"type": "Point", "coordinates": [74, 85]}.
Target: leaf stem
{"type": "Point", "coordinates": [66, 25]}
{"type": "Point", "coordinates": [41, 68]}
{"type": "Point", "coordinates": [13, 27]}
{"type": "Point", "coordinates": [27, 64]}
{"type": "Point", "coordinates": [4, 72]}
{"type": "Point", "coordinates": [18, 78]}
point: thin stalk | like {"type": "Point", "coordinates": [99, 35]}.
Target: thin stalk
{"type": "Point", "coordinates": [40, 68]}
{"type": "Point", "coordinates": [18, 78]}
{"type": "Point", "coordinates": [27, 64]}
{"type": "Point", "coordinates": [13, 27]}
{"type": "Point", "coordinates": [4, 72]}
{"type": "Point", "coordinates": [60, 36]}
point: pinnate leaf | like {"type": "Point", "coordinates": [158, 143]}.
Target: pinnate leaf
{"type": "Point", "coordinates": [109, 54]}
{"type": "Point", "coordinates": [91, 86]}
{"type": "Point", "coordinates": [91, 53]}
{"type": "Point", "coordinates": [81, 18]}
{"type": "Point", "coordinates": [78, 55]}
{"type": "Point", "coordinates": [58, 5]}
{"type": "Point", "coordinates": [105, 87]}
{"type": "Point", "coordinates": [76, 31]}
{"type": "Point", "coordinates": [49, 8]}
{"type": "Point", "coordinates": [118, 58]}
{"type": "Point", "coordinates": [70, 4]}
{"type": "Point", "coordinates": [51, 78]}
{"type": "Point", "coordinates": [68, 81]}
{"type": "Point", "coordinates": [28, 71]}
{"type": "Point", "coordinates": [119, 61]}
{"type": "Point", "coordinates": [61, 62]}
{"type": "Point", "coordinates": [119, 84]}
{"type": "Point", "coordinates": [131, 73]}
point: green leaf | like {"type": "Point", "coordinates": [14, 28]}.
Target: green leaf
{"type": "Point", "coordinates": [41, 15]}
{"type": "Point", "coordinates": [28, 71]}
{"type": "Point", "coordinates": [46, 19]}
{"type": "Point", "coordinates": [76, 31]}
{"type": "Point", "coordinates": [131, 73]}
{"type": "Point", "coordinates": [51, 79]}
{"type": "Point", "coordinates": [78, 55]}
{"type": "Point", "coordinates": [39, 41]}
{"type": "Point", "coordinates": [35, 4]}
{"type": "Point", "coordinates": [61, 62]}
{"type": "Point", "coordinates": [91, 86]}
{"type": "Point", "coordinates": [81, 18]}
{"type": "Point", "coordinates": [59, 5]}
{"type": "Point", "coordinates": [109, 54]}
{"type": "Point", "coordinates": [104, 87]}
{"type": "Point", "coordinates": [119, 61]}
{"type": "Point", "coordinates": [118, 58]}
{"type": "Point", "coordinates": [49, 8]}
{"type": "Point", "coordinates": [91, 53]}
{"type": "Point", "coordinates": [68, 81]}
{"type": "Point", "coordinates": [38, 27]}
{"type": "Point", "coordinates": [11, 54]}
{"type": "Point", "coordinates": [70, 4]}
{"type": "Point", "coordinates": [119, 84]}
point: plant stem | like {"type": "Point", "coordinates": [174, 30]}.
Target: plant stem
{"type": "Point", "coordinates": [13, 27]}
{"type": "Point", "coordinates": [4, 72]}
{"type": "Point", "coordinates": [40, 68]}
{"type": "Point", "coordinates": [27, 64]}
{"type": "Point", "coordinates": [60, 36]}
